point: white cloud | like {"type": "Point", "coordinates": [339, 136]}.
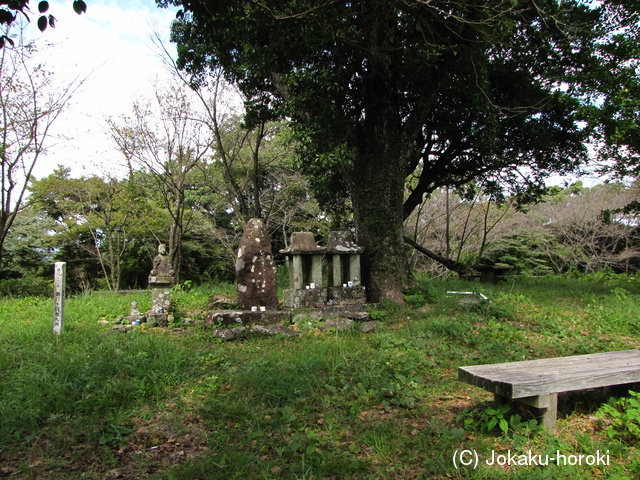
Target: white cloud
{"type": "Point", "coordinates": [111, 46]}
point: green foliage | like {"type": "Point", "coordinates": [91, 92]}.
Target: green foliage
{"type": "Point", "coordinates": [27, 286]}
{"type": "Point", "coordinates": [187, 297]}
{"type": "Point", "coordinates": [624, 414]}
{"type": "Point", "coordinates": [610, 314]}
{"type": "Point", "coordinates": [387, 305]}
{"type": "Point", "coordinates": [416, 300]}
{"type": "Point", "coordinates": [81, 381]}
{"type": "Point", "coordinates": [182, 287]}
{"type": "Point", "coordinates": [282, 276]}
{"type": "Point", "coordinates": [114, 435]}
{"type": "Point", "coordinates": [489, 419]}
{"type": "Point", "coordinates": [99, 226]}
{"type": "Point", "coordinates": [528, 252]}
{"type": "Point", "coordinates": [495, 310]}
{"type": "Point", "coordinates": [221, 37]}
{"type": "Point", "coordinates": [424, 291]}
{"type": "Point", "coordinates": [27, 247]}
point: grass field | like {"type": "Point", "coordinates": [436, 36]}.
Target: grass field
{"type": "Point", "coordinates": [177, 403]}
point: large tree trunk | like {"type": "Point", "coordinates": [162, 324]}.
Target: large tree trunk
{"type": "Point", "coordinates": [377, 197]}
{"type": "Point", "coordinates": [379, 171]}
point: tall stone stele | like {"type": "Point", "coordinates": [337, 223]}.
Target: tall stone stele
{"type": "Point", "coordinates": [255, 268]}
{"type": "Point", "coordinates": [161, 280]}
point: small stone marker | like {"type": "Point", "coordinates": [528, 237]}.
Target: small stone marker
{"type": "Point", "coordinates": [59, 288]}
{"type": "Point", "coordinates": [135, 317]}
{"type": "Point", "coordinates": [255, 268]}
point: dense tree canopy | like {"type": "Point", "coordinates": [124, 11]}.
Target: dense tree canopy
{"type": "Point", "coordinates": [438, 92]}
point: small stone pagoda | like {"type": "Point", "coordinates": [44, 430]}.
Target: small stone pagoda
{"type": "Point", "coordinates": [343, 259]}
{"type": "Point", "coordinates": [304, 259]}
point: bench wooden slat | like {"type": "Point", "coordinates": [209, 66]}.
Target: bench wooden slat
{"type": "Point", "coordinates": [623, 357]}
{"type": "Point", "coordinates": [561, 383]}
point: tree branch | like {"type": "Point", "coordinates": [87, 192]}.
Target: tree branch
{"type": "Point", "coordinates": [460, 268]}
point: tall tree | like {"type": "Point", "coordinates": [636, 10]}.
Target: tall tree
{"type": "Point", "coordinates": [251, 160]}
{"type": "Point", "coordinates": [30, 102]}
{"type": "Point", "coordinates": [447, 91]}
{"type": "Point", "coordinates": [168, 140]}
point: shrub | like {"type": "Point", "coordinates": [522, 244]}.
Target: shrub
{"type": "Point", "coordinates": [28, 286]}
{"type": "Point", "coordinates": [625, 417]}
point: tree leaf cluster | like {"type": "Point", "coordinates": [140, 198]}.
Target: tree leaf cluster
{"type": "Point", "coordinates": [11, 9]}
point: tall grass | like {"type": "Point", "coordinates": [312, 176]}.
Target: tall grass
{"type": "Point", "coordinates": [88, 377]}
{"type": "Point", "coordinates": [325, 405]}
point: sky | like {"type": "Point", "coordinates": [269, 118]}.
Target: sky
{"type": "Point", "coordinates": [110, 47]}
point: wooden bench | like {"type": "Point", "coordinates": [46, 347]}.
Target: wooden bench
{"type": "Point", "coordinates": [491, 273]}
{"type": "Point", "coordinates": [538, 382]}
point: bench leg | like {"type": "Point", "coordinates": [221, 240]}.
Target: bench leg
{"type": "Point", "coordinates": [550, 413]}
{"type": "Point", "coordinates": [546, 405]}
{"type": "Point", "coordinates": [499, 400]}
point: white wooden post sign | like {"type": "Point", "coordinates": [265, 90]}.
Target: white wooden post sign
{"type": "Point", "coordinates": [59, 287]}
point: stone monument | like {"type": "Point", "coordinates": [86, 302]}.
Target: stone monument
{"type": "Point", "coordinates": [161, 280]}
{"type": "Point", "coordinates": [255, 269]}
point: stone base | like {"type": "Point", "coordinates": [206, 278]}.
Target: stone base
{"type": "Point", "coordinates": [157, 319]}
{"type": "Point", "coordinates": [318, 297]}
{"type": "Point", "coordinates": [137, 318]}
{"type": "Point", "coordinates": [245, 317]}
{"type": "Point", "coordinates": [305, 298]}
{"type": "Point", "coordinates": [160, 297]}
{"type": "Point", "coordinates": [335, 317]}
{"type": "Point", "coordinates": [328, 311]}
{"type": "Point", "coordinates": [353, 312]}
{"type": "Point", "coordinates": [347, 295]}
